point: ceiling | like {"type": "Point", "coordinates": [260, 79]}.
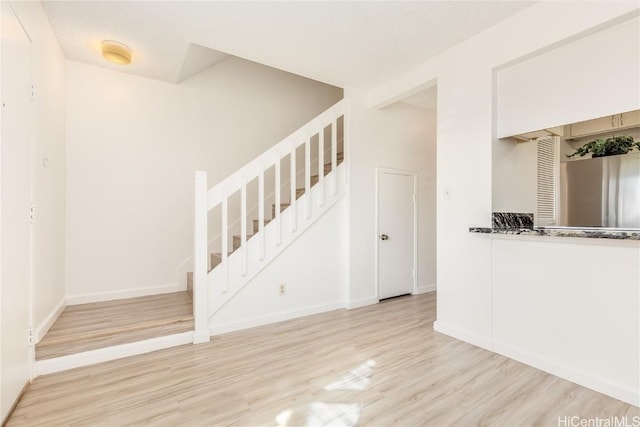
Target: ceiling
{"type": "Point", "coordinates": [346, 44]}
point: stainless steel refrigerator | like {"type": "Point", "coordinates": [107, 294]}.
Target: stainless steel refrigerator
{"type": "Point", "coordinates": [601, 192]}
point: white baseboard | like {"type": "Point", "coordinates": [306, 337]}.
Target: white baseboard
{"type": "Point", "coordinates": [463, 335]}
{"type": "Point", "coordinates": [43, 327]}
{"type": "Point", "coordinates": [128, 293]}
{"type": "Point", "coordinates": [223, 328]}
{"type": "Point", "coordinates": [619, 391]}
{"type": "Point", "coordinates": [200, 337]}
{"type": "Point", "coordinates": [362, 302]}
{"type": "Point", "coordinates": [426, 288]}
{"type": "Point", "coordinates": [49, 366]}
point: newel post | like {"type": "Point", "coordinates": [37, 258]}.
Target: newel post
{"type": "Point", "coordinates": [200, 264]}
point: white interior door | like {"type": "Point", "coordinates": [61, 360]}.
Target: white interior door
{"type": "Point", "coordinates": [396, 234]}
{"type": "Point", "coordinates": [17, 119]}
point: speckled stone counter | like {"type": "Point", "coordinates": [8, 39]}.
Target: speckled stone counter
{"type": "Point", "coordinates": [562, 232]}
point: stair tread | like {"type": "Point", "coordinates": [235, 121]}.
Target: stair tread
{"type": "Point", "coordinates": [216, 259]}
{"type": "Point", "coordinates": [256, 225]}
{"type": "Point", "coordinates": [238, 236]}
{"type": "Point", "coordinates": [338, 161]}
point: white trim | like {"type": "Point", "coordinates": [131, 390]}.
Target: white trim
{"type": "Point", "coordinates": [601, 385]}
{"type": "Point", "coordinates": [463, 335]}
{"type": "Point", "coordinates": [362, 302]}
{"type": "Point", "coordinates": [200, 337]}
{"type": "Point", "coordinates": [426, 288]}
{"type": "Point", "coordinates": [48, 366]}
{"type": "Point", "coordinates": [49, 320]}
{"type": "Point", "coordinates": [585, 379]}
{"type": "Point", "coordinates": [126, 293]}
{"type": "Point", "coordinates": [223, 328]}
{"type": "Point", "coordinates": [404, 172]}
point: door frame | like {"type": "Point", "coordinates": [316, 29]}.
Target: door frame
{"type": "Point", "coordinates": [414, 175]}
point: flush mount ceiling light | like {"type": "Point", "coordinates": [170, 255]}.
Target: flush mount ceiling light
{"type": "Point", "coordinates": [116, 52]}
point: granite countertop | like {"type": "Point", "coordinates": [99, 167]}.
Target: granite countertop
{"type": "Point", "coordinates": [517, 223]}
{"type": "Point", "coordinates": [562, 232]}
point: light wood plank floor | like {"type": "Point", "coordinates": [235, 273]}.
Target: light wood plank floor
{"type": "Point", "coordinates": [89, 326]}
{"type": "Point", "coordinates": [401, 373]}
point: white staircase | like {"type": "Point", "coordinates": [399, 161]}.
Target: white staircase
{"type": "Point", "coordinates": [307, 177]}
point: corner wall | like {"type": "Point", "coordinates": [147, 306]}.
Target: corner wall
{"type": "Point", "coordinates": [133, 145]}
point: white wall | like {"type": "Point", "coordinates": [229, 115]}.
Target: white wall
{"type": "Point", "coordinates": [133, 144]}
{"type": "Point", "coordinates": [589, 326]}
{"type": "Point", "coordinates": [313, 268]}
{"type": "Point", "coordinates": [32, 255]}
{"type": "Point", "coordinates": [466, 132]}
{"type": "Point", "coordinates": [399, 137]}
{"type": "Point", "coordinates": [599, 73]}
{"type": "Point", "coordinates": [515, 176]}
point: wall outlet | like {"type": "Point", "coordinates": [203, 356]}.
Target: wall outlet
{"type": "Point", "coordinates": [282, 289]}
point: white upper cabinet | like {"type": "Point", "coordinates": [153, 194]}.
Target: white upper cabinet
{"type": "Point", "coordinates": [605, 124]}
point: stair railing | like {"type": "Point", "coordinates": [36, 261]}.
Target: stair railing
{"type": "Point", "coordinates": [205, 200]}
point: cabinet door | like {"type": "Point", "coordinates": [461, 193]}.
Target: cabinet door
{"type": "Point", "coordinates": [629, 119]}
{"type": "Point", "coordinates": [590, 127]}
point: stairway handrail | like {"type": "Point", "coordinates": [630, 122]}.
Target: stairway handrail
{"type": "Point", "coordinates": [265, 160]}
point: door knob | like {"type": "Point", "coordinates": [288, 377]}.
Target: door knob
{"type": "Point", "coordinates": [384, 237]}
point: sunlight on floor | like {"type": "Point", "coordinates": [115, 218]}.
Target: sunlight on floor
{"type": "Point", "coordinates": [283, 418]}
{"type": "Point", "coordinates": [336, 414]}
{"type": "Point", "coordinates": [355, 380]}
{"type": "Point", "coordinates": [333, 414]}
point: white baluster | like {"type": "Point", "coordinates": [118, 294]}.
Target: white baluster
{"type": "Point", "coordinates": [224, 246]}
{"type": "Point", "coordinates": [277, 198]}
{"type": "Point", "coordinates": [334, 155]}
{"type": "Point", "coordinates": [307, 178]}
{"type": "Point", "coordinates": [243, 226]}
{"type": "Point", "coordinates": [345, 150]}
{"type": "Point", "coordinates": [292, 182]}
{"type": "Point", "coordinates": [321, 166]}
{"type": "Point", "coordinates": [200, 262]}
{"type": "Point", "coordinates": [261, 210]}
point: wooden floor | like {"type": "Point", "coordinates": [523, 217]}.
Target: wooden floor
{"type": "Point", "coordinates": [97, 325]}
{"type": "Point", "coordinates": [380, 365]}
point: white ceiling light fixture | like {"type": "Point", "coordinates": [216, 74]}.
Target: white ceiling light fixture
{"type": "Point", "coordinates": [116, 52]}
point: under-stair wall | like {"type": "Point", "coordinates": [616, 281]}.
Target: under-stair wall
{"type": "Point", "coordinates": [218, 277]}
{"type": "Point", "coordinates": [313, 270]}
